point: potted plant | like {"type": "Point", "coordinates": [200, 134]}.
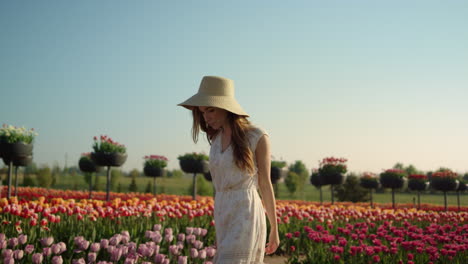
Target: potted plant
{"type": "Point", "coordinates": [194, 163]}
{"type": "Point", "coordinates": [154, 165]}
{"type": "Point", "coordinates": [332, 170]}
{"type": "Point", "coordinates": [369, 181]}
{"type": "Point", "coordinates": [16, 141]}
{"type": "Point", "coordinates": [108, 152]}
{"type": "Point", "coordinates": [16, 145]}
{"type": "Point", "coordinates": [394, 179]}
{"type": "Point", "coordinates": [315, 181]}
{"type": "Point", "coordinates": [87, 165]}
{"type": "Point", "coordinates": [444, 180]}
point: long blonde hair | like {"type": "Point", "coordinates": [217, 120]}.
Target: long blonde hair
{"type": "Point", "coordinates": [240, 125]}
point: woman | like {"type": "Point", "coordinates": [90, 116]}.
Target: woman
{"type": "Point", "coordinates": [239, 165]}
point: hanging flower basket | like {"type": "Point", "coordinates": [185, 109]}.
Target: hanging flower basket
{"type": "Point", "coordinates": [277, 172]}
{"type": "Point", "coordinates": [17, 149]}
{"type": "Point", "coordinates": [109, 159]}
{"type": "Point", "coordinates": [369, 181]}
{"type": "Point", "coordinates": [207, 176]}
{"type": "Point", "coordinates": [154, 165]}
{"type": "Point", "coordinates": [19, 161]}
{"type": "Point", "coordinates": [444, 181]}
{"type": "Point", "coordinates": [393, 178]}
{"type": "Point", "coordinates": [16, 141]}
{"type": "Point", "coordinates": [332, 170]}
{"type": "Point", "coordinates": [194, 163]}
{"type": "Point", "coordinates": [87, 165]}
{"type": "Point", "coordinates": [315, 179]}
{"type": "Point", "coordinates": [417, 182]}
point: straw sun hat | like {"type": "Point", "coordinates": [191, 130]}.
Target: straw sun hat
{"type": "Point", "coordinates": [216, 92]}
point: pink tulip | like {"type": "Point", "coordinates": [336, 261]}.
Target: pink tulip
{"type": "Point", "coordinates": [182, 260]}
{"type": "Point", "coordinates": [168, 238]}
{"type": "Point", "coordinates": [3, 244]}
{"type": "Point", "coordinates": [104, 243]}
{"type": "Point", "coordinates": [166, 261]}
{"type": "Point", "coordinates": [56, 248]}
{"type": "Point", "coordinates": [116, 254]}
{"type": "Point", "coordinates": [18, 254]}
{"type": "Point", "coordinates": [79, 261]}
{"type": "Point", "coordinates": [92, 257]}
{"type": "Point", "coordinates": [29, 249]}
{"type": "Point", "coordinates": [7, 253]}
{"type": "Point", "coordinates": [13, 242]}
{"type": "Point", "coordinates": [158, 258]}
{"type": "Point", "coordinates": [181, 237]}
{"type": "Point", "coordinates": [37, 258]}
{"type": "Point", "coordinates": [8, 260]}
{"type": "Point", "coordinates": [22, 239]}
{"type": "Point", "coordinates": [95, 247]}
{"type": "Point", "coordinates": [202, 254]}
{"type": "Point", "coordinates": [157, 227]}
{"type": "Point", "coordinates": [57, 260]}
{"type": "Point", "coordinates": [193, 253]}
{"type": "Point", "coordinates": [46, 251]}
{"type": "Point", "coordinates": [210, 252]}
{"type": "Point", "coordinates": [47, 241]}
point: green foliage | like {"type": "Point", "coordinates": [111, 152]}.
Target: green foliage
{"type": "Point", "coordinates": [278, 164]}
{"type": "Point", "coordinates": [330, 169]}
{"type": "Point", "coordinates": [300, 169]}
{"type": "Point", "coordinates": [134, 174]}
{"type": "Point", "coordinates": [292, 181]}
{"type": "Point", "coordinates": [31, 168]}
{"type": "Point", "coordinates": [12, 134]}
{"type": "Point", "coordinates": [119, 188]}
{"type": "Point", "coordinates": [155, 161]}
{"type": "Point", "coordinates": [97, 183]}
{"type": "Point", "coordinates": [149, 187]}
{"type": "Point", "coordinates": [28, 181]}
{"type": "Point", "coordinates": [44, 177]}
{"type": "Point", "coordinates": [133, 186]}
{"type": "Point", "coordinates": [88, 177]}
{"type": "Point", "coordinates": [351, 190]}
{"type": "Point", "coordinates": [193, 156]}
{"type": "Point", "coordinates": [115, 178]}
{"type": "Point", "coordinates": [176, 174]}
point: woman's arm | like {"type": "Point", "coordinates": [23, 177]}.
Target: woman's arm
{"type": "Point", "coordinates": [266, 190]}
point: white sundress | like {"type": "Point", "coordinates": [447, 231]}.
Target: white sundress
{"type": "Point", "coordinates": [239, 215]}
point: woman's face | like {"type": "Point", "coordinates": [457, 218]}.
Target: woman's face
{"type": "Point", "coordinates": [214, 117]}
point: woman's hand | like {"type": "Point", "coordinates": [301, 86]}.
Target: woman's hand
{"type": "Point", "coordinates": [273, 242]}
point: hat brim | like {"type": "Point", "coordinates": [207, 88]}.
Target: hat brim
{"type": "Point", "coordinates": [225, 102]}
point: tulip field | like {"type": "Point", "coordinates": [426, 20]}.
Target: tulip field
{"type": "Point", "coordinates": [56, 226]}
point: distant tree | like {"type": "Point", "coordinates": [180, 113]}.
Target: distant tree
{"type": "Point", "coordinates": [28, 181]}
{"type": "Point", "coordinates": [292, 181]}
{"type": "Point", "coordinates": [149, 187]}
{"type": "Point", "coordinates": [119, 187]}
{"type": "Point", "coordinates": [300, 169]}
{"type": "Point", "coordinates": [133, 186]}
{"type": "Point", "coordinates": [44, 177]}
{"type": "Point", "coordinates": [399, 166]}
{"type": "Point", "coordinates": [176, 174]}
{"type": "Point", "coordinates": [351, 190]}
{"type": "Point", "coordinates": [116, 175]}
{"type": "Point", "coordinates": [56, 172]}
{"type": "Point", "coordinates": [30, 169]}
{"type": "Point", "coordinates": [465, 176]}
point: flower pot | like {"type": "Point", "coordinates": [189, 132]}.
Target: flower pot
{"type": "Point", "coordinates": [315, 180]}
{"type": "Point", "coordinates": [109, 159]}
{"type": "Point", "coordinates": [194, 166]}
{"type": "Point", "coordinates": [207, 176]}
{"type": "Point", "coordinates": [392, 181]}
{"type": "Point", "coordinates": [444, 184]}
{"type": "Point", "coordinates": [11, 150]}
{"type": "Point", "coordinates": [276, 174]}
{"type": "Point", "coordinates": [18, 161]}
{"type": "Point", "coordinates": [417, 184]}
{"type": "Point", "coordinates": [88, 166]}
{"type": "Point", "coordinates": [332, 178]}
{"type": "Point", "coordinates": [369, 183]}
{"type": "Point", "coordinates": [153, 171]}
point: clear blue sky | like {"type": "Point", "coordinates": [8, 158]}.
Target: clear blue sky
{"type": "Point", "coordinates": [377, 82]}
